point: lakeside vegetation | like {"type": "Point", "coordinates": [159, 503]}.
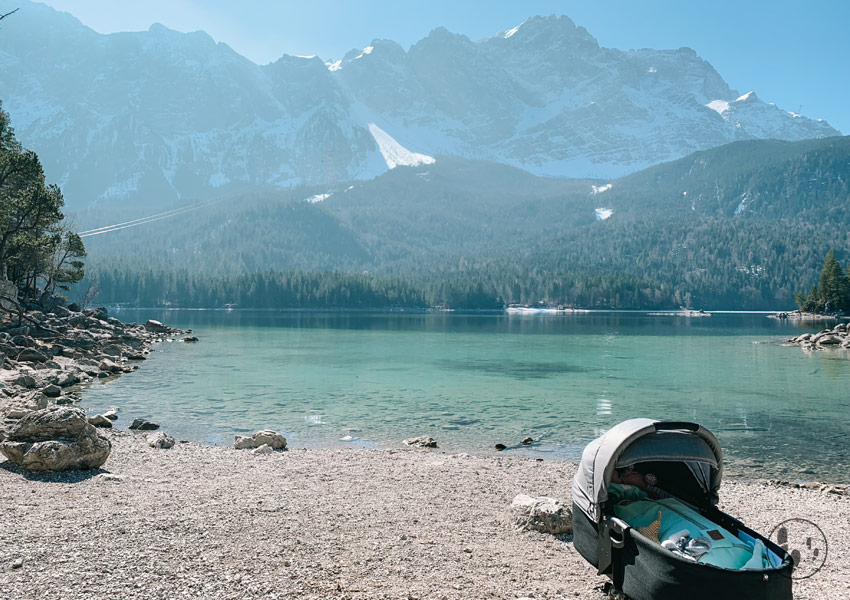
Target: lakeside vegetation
{"type": "Point", "coordinates": [37, 250]}
{"type": "Point", "coordinates": [832, 292]}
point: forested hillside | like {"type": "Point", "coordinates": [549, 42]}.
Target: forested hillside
{"type": "Point", "coordinates": [745, 226]}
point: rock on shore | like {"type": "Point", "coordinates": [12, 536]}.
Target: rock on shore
{"type": "Point", "coordinates": [837, 337]}
{"type": "Point", "coordinates": [55, 439]}
{"type": "Point", "coordinates": [45, 355]}
{"type": "Point", "coordinates": [272, 439]}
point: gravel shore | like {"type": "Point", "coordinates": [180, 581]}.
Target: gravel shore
{"type": "Point", "coordinates": [212, 522]}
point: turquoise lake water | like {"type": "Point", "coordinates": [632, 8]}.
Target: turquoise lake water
{"type": "Point", "coordinates": [471, 381]}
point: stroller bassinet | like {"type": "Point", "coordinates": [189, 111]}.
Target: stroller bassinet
{"type": "Point", "coordinates": [687, 462]}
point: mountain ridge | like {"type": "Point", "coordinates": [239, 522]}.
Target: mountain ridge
{"type": "Point", "coordinates": [160, 115]}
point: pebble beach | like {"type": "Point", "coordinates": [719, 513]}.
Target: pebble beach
{"type": "Point", "coordinates": [200, 521]}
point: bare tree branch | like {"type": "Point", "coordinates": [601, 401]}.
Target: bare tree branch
{"type": "Point", "coordinates": [9, 13]}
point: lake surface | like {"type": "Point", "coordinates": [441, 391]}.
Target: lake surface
{"type": "Point", "coordinates": [471, 381]}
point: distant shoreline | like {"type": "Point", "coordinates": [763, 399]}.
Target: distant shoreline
{"type": "Point", "coordinates": [390, 310]}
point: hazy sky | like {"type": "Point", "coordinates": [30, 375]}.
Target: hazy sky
{"type": "Point", "coordinates": [796, 54]}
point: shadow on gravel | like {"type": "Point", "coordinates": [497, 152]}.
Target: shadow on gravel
{"type": "Point", "coordinates": [51, 476]}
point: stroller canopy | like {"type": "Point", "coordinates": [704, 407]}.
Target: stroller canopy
{"type": "Point", "coordinates": [646, 440]}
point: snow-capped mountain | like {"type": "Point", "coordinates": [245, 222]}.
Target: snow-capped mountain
{"type": "Point", "coordinates": [159, 115]}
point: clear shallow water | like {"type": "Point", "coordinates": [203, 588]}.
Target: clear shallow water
{"type": "Point", "coordinates": [471, 381]}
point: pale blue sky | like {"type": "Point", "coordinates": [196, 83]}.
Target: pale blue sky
{"type": "Point", "coordinates": [796, 54]}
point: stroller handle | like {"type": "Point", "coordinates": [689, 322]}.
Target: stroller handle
{"type": "Point", "coordinates": [673, 425]}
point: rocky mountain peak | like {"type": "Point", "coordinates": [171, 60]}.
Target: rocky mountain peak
{"type": "Point", "coordinates": [158, 115]}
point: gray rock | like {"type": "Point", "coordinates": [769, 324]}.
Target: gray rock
{"type": "Point", "coordinates": [190, 339]}
{"type": "Point", "coordinates": [271, 438]}
{"type": "Point", "coordinates": [264, 449]}
{"type": "Point", "coordinates": [828, 340]}
{"type": "Point", "coordinates": [160, 440]}
{"type": "Point", "coordinates": [156, 327]}
{"type": "Point", "coordinates": [100, 421]}
{"type": "Point", "coordinates": [244, 443]}
{"type": "Point", "coordinates": [24, 380]}
{"type": "Point", "coordinates": [61, 311]}
{"type": "Point", "coordinates": [268, 437]}
{"type": "Point", "coordinates": [24, 341]}
{"type": "Point", "coordinates": [52, 391]}
{"type": "Point", "coordinates": [143, 425]}
{"type": "Point", "coordinates": [113, 350]}
{"type": "Point", "coordinates": [527, 441]}
{"type": "Point", "coordinates": [66, 378]}
{"type": "Point", "coordinates": [55, 439]}
{"type": "Point", "coordinates": [111, 414]}
{"type": "Point", "coordinates": [32, 355]}
{"type": "Point", "coordinates": [108, 366]}
{"type": "Point", "coordinates": [542, 514]}
{"type": "Point", "coordinates": [423, 441]}
{"type": "Point", "coordinates": [17, 410]}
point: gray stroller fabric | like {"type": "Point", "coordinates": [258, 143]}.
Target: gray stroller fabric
{"type": "Point", "coordinates": [644, 440]}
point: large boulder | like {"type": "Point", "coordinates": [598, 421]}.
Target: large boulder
{"type": "Point", "coordinates": [829, 340]}
{"type": "Point", "coordinates": [55, 439]}
{"type": "Point", "coordinates": [156, 327]}
{"type": "Point", "coordinates": [32, 355]}
{"type": "Point", "coordinates": [52, 391]}
{"type": "Point", "coordinates": [108, 366]}
{"type": "Point", "coordinates": [542, 514]}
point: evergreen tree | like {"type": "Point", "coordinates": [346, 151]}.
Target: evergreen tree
{"type": "Point", "coordinates": [831, 284]}
{"type": "Point", "coordinates": [33, 244]}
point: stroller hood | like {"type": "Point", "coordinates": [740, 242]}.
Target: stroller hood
{"type": "Point", "coordinates": [645, 440]}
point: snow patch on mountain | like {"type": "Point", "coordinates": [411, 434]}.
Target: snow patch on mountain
{"type": "Point", "coordinates": [718, 106]}
{"type": "Point", "coordinates": [318, 198]}
{"type": "Point", "coordinates": [366, 50]}
{"type": "Point", "coordinates": [603, 213]}
{"type": "Point", "coordinates": [511, 32]}
{"type": "Point", "coordinates": [394, 153]}
{"type": "Point", "coordinates": [598, 189]}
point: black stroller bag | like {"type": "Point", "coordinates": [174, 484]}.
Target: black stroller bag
{"type": "Point", "coordinates": [685, 459]}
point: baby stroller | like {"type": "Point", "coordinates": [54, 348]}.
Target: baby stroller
{"type": "Point", "coordinates": [665, 538]}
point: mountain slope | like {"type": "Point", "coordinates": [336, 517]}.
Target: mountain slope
{"type": "Point", "coordinates": [158, 116]}
{"type": "Point", "coordinates": [483, 226]}
{"type": "Point", "coordinates": [766, 179]}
